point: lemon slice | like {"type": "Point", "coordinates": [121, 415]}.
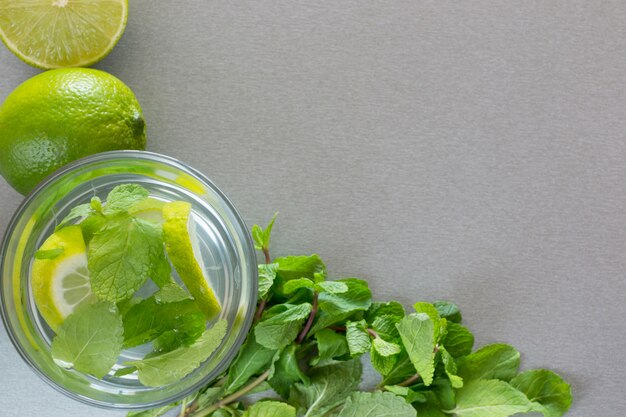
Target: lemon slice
{"type": "Point", "coordinates": [149, 209]}
{"type": "Point", "coordinates": [182, 253]}
{"type": "Point", "coordinates": [60, 281]}
{"type": "Point", "coordinates": [62, 33]}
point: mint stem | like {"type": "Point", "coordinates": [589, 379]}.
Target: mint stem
{"type": "Point", "coordinates": [259, 311]}
{"type": "Point", "coordinates": [234, 396]}
{"type": "Point", "coordinates": [372, 333]}
{"type": "Point", "coordinates": [309, 322]}
{"type": "Point", "coordinates": [409, 381]}
{"type": "Point", "coordinates": [266, 252]}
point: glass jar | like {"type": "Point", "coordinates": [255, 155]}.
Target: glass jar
{"type": "Point", "coordinates": [224, 245]}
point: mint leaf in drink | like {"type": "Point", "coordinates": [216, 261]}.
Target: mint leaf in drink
{"type": "Point", "coordinates": [171, 366]}
{"type": "Point", "coordinates": [330, 345]}
{"type": "Point", "coordinates": [546, 388]}
{"type": "Point", "coordinates": [92, 225]}
{"type": "Point", "coordinates": [449, 311]}
{"type": "Point", "coordinates": [171, 293]}
{"type": "Point", "coordinates": [160, 269]}
{"type": "Point", "coordinates": [267, 275]}
{"type": "Point", "coordinates": [490, 398]}
{"type": "Point", "coordinates": [280, 330]}
{"type": "Point", "coordinates": [79, 212]}
{"type": "Point", "coordinates": [418, 333]}
{"type": "Point", "coordinates": [96, 205]}
{"type": "Point", "coordinates": [458, 340]}
{"type": "Point", "coordinates": [49, 254]}
{"type": "Point", "coordinates": [330, 385]}
{"type": "Point", "coordinates": [358, 338]}
{"type": "Point", "coordinates": [120, 256]}
{"type": "Point", "coordinates": [89, 340]}
{"type": "Point", "coordinates": [497, 361]}
{"type": "Point", "coordinates": [358, 297]}
{"type": "Point", "coordinates": [381, 404]}
{"type": "Point", "coordinates": [251, 360]}
{"type": "Point", "coordinates": [149, 319]}
{"type": "Point", "coordinates": [270, 409]}
{"type": "Point", "coordinates": [286, 371]}
{"type": "Point", "coordinates": [123, 197]}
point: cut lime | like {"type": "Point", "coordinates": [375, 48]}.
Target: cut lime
{"type": "Point", "coordinates": [60, 279]}
{"type": "Point", "coordinates": [184, 255]}
{"type": "Point", "coordinates": [62, 33]}
{"type": "Point", "coordinates": [149, 209]}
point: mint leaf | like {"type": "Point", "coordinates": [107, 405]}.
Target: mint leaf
{"type": "Point", "coordinates": [546, 388]}
{"type": "Point", "coordinates": [357, 297]}
{"type": "Point", "coordinates": [333, 287]}
{"type": "Point", "coordinates": [160, 269]}
{"type": "Point", "coordinates": [120, 257]}
{"type": "Point", "coordinates": [280, 330]}
{"type": "Point", "coordinates": [77, 212]}
{"type": "Point", "coordinates": [171, 293]}
{"type": "Point", "coordinates": [89, 340]}
{"type": "Point", "coordinates": [295, 284]}
{"type": "Point", "coordinates": [329, 387]}
{"type": "Point", "coordinates": [384, 348]}
{"type": "Point", "coordinates": [252, 359]}
{"type": "Point", "coordinates": [270, 409]}
{"type": "Point", "coordinates": [294, 267]}
{"type": "Point", "coordinates": [458, 340]}
{"type": "Point", "coordinates": [439, 324]}
{"type": "Point", "coordinates": [172, 366]}
{"type": "Point", "coordinates": [449, 311]}
{"type": "Point", "coordinates": [450, 368]}
{"type": "Point", "coordinates": [490, 398]}
{"type": "Point", "coordinates": [286, 372]}
{"type": "Point", "coordinates": [330, 345]}
{"type": "Point", "coordinates": [49, 254]}
{"type": "Point", "coordinates": [429, 410]}
{"type": "Point", "coordinates": [392, 309]}
{"type": "Point", "coordinates": [262, 237]}
{"type": "Point", "coordinates": [418, 335]}
{"type": "Point", "coordinates": [385, 327]}
{"type": "Point", "coordinates": [407, 393]}
{"type": "Point", "coordinates": [96, 204]}
{"type": "Point", "coordinates": [267, 275]}
{"type": "Point", "coordinates": [209, 397]}
{"type": "Point", "coordinates": [92, 225]}
{"type": "Point", "coordinates": [401, 369]}
{"type": "Point", "coordinates": [378, 404]}
{"type": "Point", "coordinates": [497, 361]}
{"type": "Point", "coordinates": [384, 365]}
{"type": "Point", "coordinates": [123, 197]}
{"type": "Point", "coordinates": [358, 338]}
{"type": "Point", "coordinates": [149, 319]}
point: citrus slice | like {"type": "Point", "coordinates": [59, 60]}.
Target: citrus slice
{"type": "Point", "coordinates": [60, 279]}
{"type": "Point", "coordinates": [62, 33]}
{"type": "Point", "coordinates": [182, 251]}
{"type": "Point", "coordinates": [149, 209]}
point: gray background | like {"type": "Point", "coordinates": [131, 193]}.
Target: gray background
{"type": "Point", "coordinates": [472, 151]}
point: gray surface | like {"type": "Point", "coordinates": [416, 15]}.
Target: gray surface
{"type": "Point", "coordinates": [472, 152]}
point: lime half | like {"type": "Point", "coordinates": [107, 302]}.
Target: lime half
{"type": "Point", "coordinates": [62, 33]}
{"type": "Point", "coordinates": [60, 279]}
{"type": "Point", "coordinates": [182, 252]}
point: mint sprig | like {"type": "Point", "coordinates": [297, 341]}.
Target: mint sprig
{"type": "Point", "coordinates": [309, 335]}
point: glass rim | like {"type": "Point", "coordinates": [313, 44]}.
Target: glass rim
{"type": "Point", "coordinates": [147, 156]}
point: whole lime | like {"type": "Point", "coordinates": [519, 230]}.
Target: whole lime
{"type": "Point", "coordinates": [62, 115]}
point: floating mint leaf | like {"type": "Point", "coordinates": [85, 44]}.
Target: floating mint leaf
{"type": "Point", "coordinates": [270, 409]}
{"type": "Point", "coordinates": [418, 336]}
{"type": "Point", "coordinates": [172, 366]}
{"type": "Point", "coordinates": [329, 387]}
{"type": "Point", "coordinates": [123, 197]}
{"type": "Point", "coordinates": [120, 256]}
{"type": "Point", "coordinates": [79, 212]}
{"type": "Point", "coordinates": [280, 330]}
{"type": "Point", "coordinates": [546, 388]}
{"type": "Point", "coordinates": [90, 339]}
{"type": "Point", "coordinates": [49, 254]}
{"type": "Point", "coordinates": [490, 398]}
{"type": "Point", "coordinates": [378, 404]}
{"type": "Point", "coordinates": [92, 225]}
{"type": "Point", "coordinates": [171, 293]}
{"type": "Point", "coordinates": [497, 361]}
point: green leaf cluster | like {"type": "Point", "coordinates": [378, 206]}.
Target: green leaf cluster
{"type": "Point", "coordinates": [126, 257]}
{"type": "Point", "coordinates": [310, 335]}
